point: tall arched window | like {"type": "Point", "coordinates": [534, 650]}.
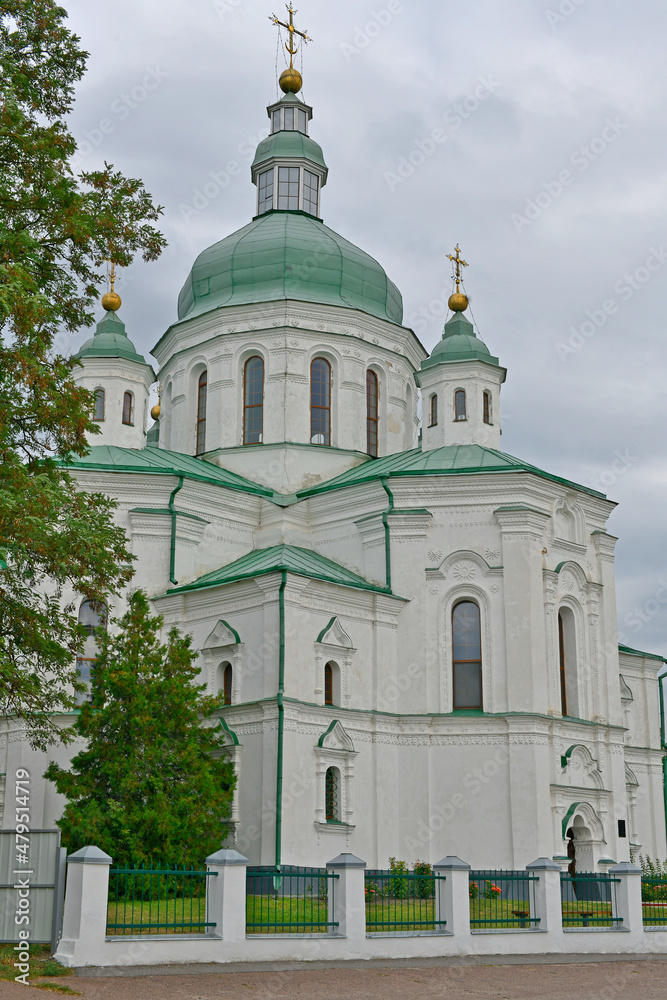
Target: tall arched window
{"type": "Point", "coordinates": [486, 406]}
{"type": "Point", "coordinates": [331, 795]}
{"type": "Point", "coordinates": [372, 401]}
{"type": "Point", "coordinates": [467, 655]}
{"type": "Point", "coordinates": [434, 411]}
{"type": "Point", "coordinates": [93, 617]}
{"type": "Point", "coordinates": [460, 405]}
{"type": "Point", "coordinates": [253, 401]}
{"type": "Point", "coordinates": [567, 656]}
{"type": "Point", "coordinates": [128, 407]}
{"type": "Point", "coordinates": [320, 401]}
{"type": "Point", "coordinates": [99, 404]}
{"type": "Point", "coordinates": [228, 678]}
{"type": "Point", "coordinates": [201, 413]}
{"type": "Point", "coordinates": [328, 684]}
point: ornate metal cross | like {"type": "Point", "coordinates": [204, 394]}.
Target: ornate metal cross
{"type": "Point", "coordinates": [290, 45]}
{"type": "Point", "coordinates": [458, 263]}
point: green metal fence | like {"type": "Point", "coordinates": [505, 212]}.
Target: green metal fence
{"type": "Point", "coordinates": [402, 902]}
{"type": "Point", "coordinates": [589, 900]}
{"type": "Point", "coordinates": [160, 900]}
{"type": "Point", "coordinates": [290, 901]}
{"type": "Point", "coordinates": [502, 899]}
{"type": "Point", "coordinates": [654, 900]}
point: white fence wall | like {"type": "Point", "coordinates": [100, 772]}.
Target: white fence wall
{"type": "Point", "coordinates": [84, 940]}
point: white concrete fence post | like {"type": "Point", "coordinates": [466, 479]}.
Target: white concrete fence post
{"type": "Point", "coordinates": [548, 907]}
{"type": "Point", "coordinates": [453, 896]}
{"type": "Point", "coordinates": [628, 896]}
{"type": "Point", "coordinates": [86, 904]}
{"type": "Point", "coordinates": [226, 895]}
{"type": "Point", "coordinates": [347, 901]}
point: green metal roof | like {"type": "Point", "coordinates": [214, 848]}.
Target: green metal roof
{"type": "Point", "coordinates": [459, 343]}
{"type": "Point", "coordinates": [301, 562]}
{"type": "Point", "coordinates": [288, 255]}
{"type": "Point", "coordinates": [289, 145]}
{"type": "Point", "coordinates": [159, 461]}
{"type": "Point", "coordinates": [110, 341]}
{"type": "Point", "coordinates": [638, 652]}
{"type": "Point", "coordinates": [454, 460]}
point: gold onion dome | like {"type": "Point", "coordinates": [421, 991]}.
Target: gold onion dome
{"type": "Point", "coordinates": [290, 81]}
{"type": "Point", "coordinates": [155, 412]}
{"type": "Point", "coordinates": [458, 302]}
{"type": "Point", "coordinates": [111, 301]}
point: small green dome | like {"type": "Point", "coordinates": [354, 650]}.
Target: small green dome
{"type": "Point", "coordinates": [288, 146]}
{"type": "Point", "coordinates": [110, 341]}
{"type": "Point", "coordinates": [288, 255]}
{"type": "Point", "coordinates": [459, 343]}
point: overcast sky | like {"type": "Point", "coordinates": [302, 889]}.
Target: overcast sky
{"type": "Point", "coordinates": [530, 131]}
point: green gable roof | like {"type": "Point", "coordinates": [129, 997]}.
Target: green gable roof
{"type": "Point", "coordinates": [638, 652]}
{"type": "Point", "coordinates": [288, 255]}
{"type": "Point", "coordinates": [159, 461]}
{"type": "Point", "coordinates": [301, 562]}
{"type": "Point", "coordinates": [454, 460]}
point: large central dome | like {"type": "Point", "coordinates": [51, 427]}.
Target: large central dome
{"type": "Point", "coordinates": [288, 255]}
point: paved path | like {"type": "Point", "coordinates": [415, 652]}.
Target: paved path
{"type": "Point", "coordinates": [549, 980]}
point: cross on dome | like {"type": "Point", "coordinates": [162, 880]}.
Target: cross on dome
{"type": "Point", "coordinates": [458, 302]}
{"type": "Point", "coordinates": [291, 80]}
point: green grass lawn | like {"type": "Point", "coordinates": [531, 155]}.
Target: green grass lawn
{"type": "Point", "coordinates": [588, 914]}
{"type": "Point", "coordinates": [286, 915]}
{"type": "Point", "coordinates": [41, 965]}
{"type": "Point", "coordinates": [389, 914]}
{"type": "Point", "coordinates": [157, 916]}
{"type": "Point", "coordinates": [488, 914]}
{"type": "Point", "coordinates": [655, 913]}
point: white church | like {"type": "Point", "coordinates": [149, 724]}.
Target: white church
{"type": "Point", "coordinates": [413, 633]}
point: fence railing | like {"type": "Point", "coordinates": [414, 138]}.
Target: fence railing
{"type": "Point", "coordinates": [502, 899]}
{"type": "Point", "coordinates": [157, 901]}
{"type": "Point", "coordinates": [589, 900]}
{"type": "Point", "coordinates": [654, 900]}
{"type": "Point", "coordinates": [402, 903]}
{"type": "Point", "coordinates": [290, 901]}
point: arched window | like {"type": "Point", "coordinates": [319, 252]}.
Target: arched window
{"type": "Point", "coordinates": [567, 656]}
{"type": "Point", "coordinates": [228, 678]}
{"type": "Point", "coordinates": [93, 617]}
{"type": "Point", "coordinates": [320, 401]}
{"type": "Point", "coordinates": [467, 656]}
{"type": "Point", "coordinates": [460, 405]}
{"type": "Point", "coordinates": [328, 684]}
{"type": "Point", "coordinates": [253, 401]}
{"type": "Point", "coordinates": [372, 400]}
{"type": "Point", "coordinates": [201, 413]}
{"type": "Point", "coordinates": [434, 411]}
{"type": "Point", "coordinates": [332, 795]}
{"type": "Point", "coordinates": [128, 407]}
{"type": "Point", "coordinates": [99, 404]}
{"type": "Point", "coordinates": [487, 407]}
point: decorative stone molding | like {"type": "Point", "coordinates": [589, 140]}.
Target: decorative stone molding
{"type": "Point", "coordinates": [334, 645]}
{"type": "Point", "coordinates": [334, 749]}
{"type": "Point", "coordinates": [223, 645]}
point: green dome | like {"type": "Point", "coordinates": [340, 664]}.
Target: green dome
{"type": "Point", "coordinates": [459, 343]}
{"type": "Point", "coordinates": [288, 255]}
{"type": "Point", "coordinates": [110, 341]}
{"type": "Point", "coordinates": [288, 146]}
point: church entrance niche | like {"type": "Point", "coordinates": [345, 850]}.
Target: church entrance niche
{"type": "Point", "coordinates": [581, 854]}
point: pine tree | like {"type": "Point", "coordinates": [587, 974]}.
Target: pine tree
{"type": "Point", "coordinates": [151, 786]}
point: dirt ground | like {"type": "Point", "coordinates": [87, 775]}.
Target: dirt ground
{"type": "Point", "coordinates": [617, 980]}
